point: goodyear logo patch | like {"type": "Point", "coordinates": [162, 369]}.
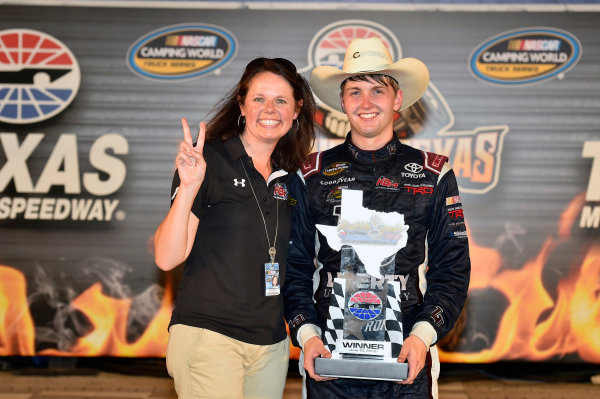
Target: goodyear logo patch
{"type": "Point", "coordinates": [525, 56]}
{"type": "Point", "coordinates": [39, 76]}
{"type": "Point", "coordinates": [181, 52]}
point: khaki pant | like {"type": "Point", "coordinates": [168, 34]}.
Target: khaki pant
{"type": "Point", "coordinates": [206, 364]}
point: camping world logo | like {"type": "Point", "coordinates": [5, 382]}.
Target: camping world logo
{"type": "Point", "coordinates": [525, 56]}
{"type": "Point", "coordinates": [364, 305]}
{"type": "Point", "coordinates": [39, 76]}
{"type": "Point", "coordinates": [181, 52]}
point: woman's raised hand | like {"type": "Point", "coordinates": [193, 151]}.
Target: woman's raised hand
{"type": "Point", "coordinates": [190, 161]}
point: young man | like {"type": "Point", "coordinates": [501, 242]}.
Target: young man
{"type": "Point", "coordinates": [433, 268]}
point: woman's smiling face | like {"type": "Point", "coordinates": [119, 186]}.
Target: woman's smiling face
{"type": "Point", "coordinates": [269, 107]}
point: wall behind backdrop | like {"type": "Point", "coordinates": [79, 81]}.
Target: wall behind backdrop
{"type": "Point", "coordinates": [90, 104]}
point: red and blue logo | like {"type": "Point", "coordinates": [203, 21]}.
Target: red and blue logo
{"type": "Point", "coordinates": [280, 191]}
{"type": "Point", "coordinates": [365, 305]}
{"type": "Point", "coordinates": [39, 76]}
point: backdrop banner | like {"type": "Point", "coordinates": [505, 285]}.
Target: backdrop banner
{"type": "Point", "coordinates": [90, 107]}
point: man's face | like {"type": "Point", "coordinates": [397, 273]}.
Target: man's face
{"type": "Point", "coordinates": [370, 107]}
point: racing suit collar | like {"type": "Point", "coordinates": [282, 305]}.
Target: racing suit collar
{"type": "Point", "coordinates": [392, 147]}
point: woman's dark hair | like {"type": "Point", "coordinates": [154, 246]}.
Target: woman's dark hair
{"type": "Point", "coordinates": [292, 149]}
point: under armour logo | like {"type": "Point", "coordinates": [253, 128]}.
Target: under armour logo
{"type": "Point", "coordinates": [241, 182]}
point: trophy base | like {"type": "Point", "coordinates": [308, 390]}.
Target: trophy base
{"type": "Point", "coordinates": [361, 369]}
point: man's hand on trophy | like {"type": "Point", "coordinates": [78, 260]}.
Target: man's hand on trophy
{"type": "Point", "coordinates": [414, 351]}
{"type": "Point", "coordinates": [314, 348]}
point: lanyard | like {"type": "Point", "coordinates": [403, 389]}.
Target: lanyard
{"type": "Point", "coordinates": [272, 250]}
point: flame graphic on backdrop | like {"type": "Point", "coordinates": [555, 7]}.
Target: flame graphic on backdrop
{"type": "Point", "coordinates": [107, 315]}
{"type": "Point", "coordinates": [108, 337]}
{"type": "Point", "coordinates": [17, 330]}
{"type": "Point", "coordinates": [533, 326]}
{"type": "Point", "coordinates": [571, 323]}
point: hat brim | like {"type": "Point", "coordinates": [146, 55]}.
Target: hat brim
{"type": "Point", "coordinates": [411, 74]}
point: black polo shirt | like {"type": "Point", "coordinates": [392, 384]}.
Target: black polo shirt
{"type": "Point", "coordinates": [223, 283]}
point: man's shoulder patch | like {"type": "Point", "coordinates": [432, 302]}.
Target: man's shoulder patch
{"type": "Point", "coordinates": [313, 164]}
{"type": "Point", "coordinates": [434, 162]}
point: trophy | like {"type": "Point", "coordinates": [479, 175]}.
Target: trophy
{"type": "Point", "coordinates": [364, 328]}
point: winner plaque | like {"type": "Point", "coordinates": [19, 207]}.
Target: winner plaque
{"type": "Point", "coordinates": [364, 327]}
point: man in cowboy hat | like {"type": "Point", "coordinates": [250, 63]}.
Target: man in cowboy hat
{"type": "Point", "coordinates": [433, 268]}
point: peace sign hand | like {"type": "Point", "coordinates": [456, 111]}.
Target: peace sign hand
{"type": "Point", "coordinates": [190, 161]}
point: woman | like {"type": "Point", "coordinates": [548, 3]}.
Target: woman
{"type": "Point", "coordinates": [230, 221]}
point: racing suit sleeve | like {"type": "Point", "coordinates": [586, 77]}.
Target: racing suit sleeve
{"type": "Point", "coordinates": [299, 307]}
{"type": "Point", "coordinates": [449, 266]}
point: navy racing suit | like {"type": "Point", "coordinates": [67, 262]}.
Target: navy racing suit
{"type": "Point", "coordinates": [433, 268]}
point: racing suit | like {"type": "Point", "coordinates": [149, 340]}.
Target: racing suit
{"type": "Point", "coordinates": [433, 268]}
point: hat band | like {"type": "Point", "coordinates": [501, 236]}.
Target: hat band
{"type": "Point", "coordinates": [377, 68]}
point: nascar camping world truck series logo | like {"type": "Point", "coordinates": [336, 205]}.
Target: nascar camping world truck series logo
{"type": "Point", "coordinates": [181, 52]}
{"type": "Point", "coordinates": [525, 56]}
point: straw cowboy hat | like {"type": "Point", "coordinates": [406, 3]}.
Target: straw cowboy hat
{"type": "Point", "coordinates": [365, 56]}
